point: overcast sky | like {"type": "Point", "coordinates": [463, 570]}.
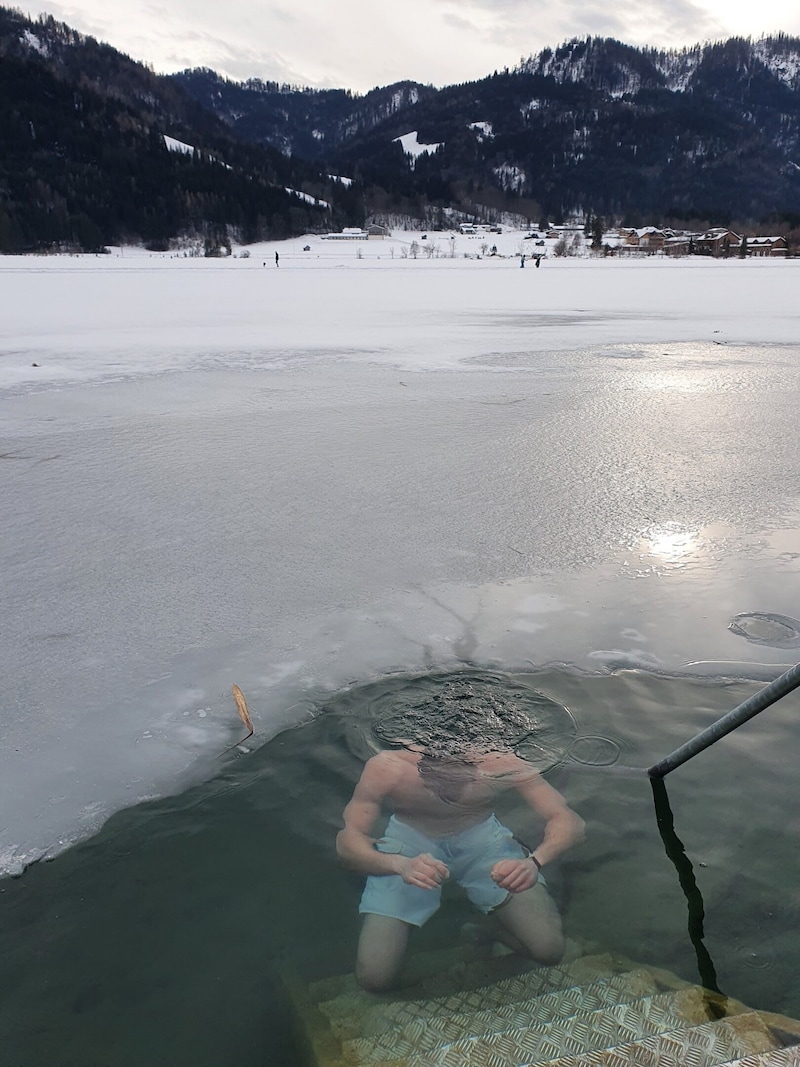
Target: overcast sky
{"type": "Point", "coordinates": [358, 44]}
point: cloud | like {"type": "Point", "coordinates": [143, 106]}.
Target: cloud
{"type": "Point", "coordinates": [358, 44]}
{"type": "Point", "coordinates": [458, 22]}
{"type": "Point", "coordinates": [530, 25]}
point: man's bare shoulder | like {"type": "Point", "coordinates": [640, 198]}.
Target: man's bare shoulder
{"type": "Point", "coordinates": [387, 768]}
{"type": "Point", "coordinates": [395, 757]}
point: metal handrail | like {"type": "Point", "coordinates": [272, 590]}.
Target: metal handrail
{"type": "Point", "coordinates": [691, 890]}
{"type": "Point", "coordinates": [771, 693]}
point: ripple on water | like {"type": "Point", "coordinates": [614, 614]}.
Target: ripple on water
{"type": "Point", "coordinates": [767, 628]}
{"type": "Point", "coordinates": [593, 750]}
{"type": "Point", "coordinates": [447, 712]}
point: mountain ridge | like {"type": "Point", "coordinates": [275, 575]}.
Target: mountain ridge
{"type": "Point", "coordinates": [591, 127]}
{"type": "Point", "coordinates": [86, 158]}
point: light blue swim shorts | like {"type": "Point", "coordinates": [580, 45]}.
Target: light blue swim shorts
{"type": "Point", "coordinates": [469, 857]}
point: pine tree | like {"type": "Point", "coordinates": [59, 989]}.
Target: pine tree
{"type": "Point", "coordinates": [598, 226]}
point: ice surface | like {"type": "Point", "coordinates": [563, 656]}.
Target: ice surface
{"type": "Point", "coordinates": [298, 479]}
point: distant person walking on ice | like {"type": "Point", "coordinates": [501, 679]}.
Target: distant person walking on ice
{"type": "Point", "coordinates": [277, 260]}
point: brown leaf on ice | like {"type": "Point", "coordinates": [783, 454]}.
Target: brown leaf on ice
{"type": "Point", "coordinates": [244, 715]}
{"type": "Point", "coordinates": [241, 707]}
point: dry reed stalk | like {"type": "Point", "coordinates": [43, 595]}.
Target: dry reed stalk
{"type": "Point", "coordinates": [244, 715]}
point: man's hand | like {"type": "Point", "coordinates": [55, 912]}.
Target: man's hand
{"type": "Point", "coordinates": [423, 871]}
{"type": "Point", "coordinates": [515, 876]}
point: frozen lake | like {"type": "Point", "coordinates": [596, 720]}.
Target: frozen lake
{"type": "Point", "coordinates": [302, 478]}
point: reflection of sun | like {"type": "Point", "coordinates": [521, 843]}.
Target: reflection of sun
{"type": "Point", "coordinates": [672, 543]}
{"type": "Point", "coordinates": [674, 381]}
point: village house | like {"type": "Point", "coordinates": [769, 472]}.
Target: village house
{"type": "Point", "coordinates": [651, 239]}
{"type": "Point", "coordinates": [720, 241]}
{"type": "Point", "coordinates": [647, 239]}
{"type": "Point", "coordinates": [643, 241]}
{"type": "Point", "coordinates": [349, 233]}
{"type": "Point", "coordinates": [767, 246]}
{"type": "Point", "coordinates": [565, 229]}
{"type": "Point", "coordinates": [679, 244]}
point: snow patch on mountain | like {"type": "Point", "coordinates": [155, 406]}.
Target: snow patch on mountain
{"type": "Point", "coordinates": [677, 68]}
{"type": "Point", "coordinates": [483, 130]}
{"type": "Point", "coordinates": [781, 62]}
{"type": "Point", "coordinates": [562, 65]}
{"type": "Point", "coordinates": [404, 98]}
{"type": "Point", "coordinates": [32, 41]}
{"type": "Point", "coordinates": [174, 145]}
{"type": "Point", "coordinates": [414, 149]}
{"type": "Point", "coordinates": [309, 199]}
{"type": "Point", "coordinates": [510, 176]}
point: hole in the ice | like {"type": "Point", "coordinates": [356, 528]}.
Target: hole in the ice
{"type": "Point", "coordinates": [767, 628]}
{"type": "Point", "coordinates": [453, 713]}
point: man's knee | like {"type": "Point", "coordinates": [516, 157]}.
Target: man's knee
{"type": "Point", "coordinates": [545, 948]}
{"type": "Point", "coordinates": [381, 948]}
{"type": "Point", "coordinates": [534, 922]}
{"type": "Point", "coordinates": [376, 978]}
{"type": "Point", "coordinates": [377, 967]}
{"type": "Point", "coordinates": [548, 950]}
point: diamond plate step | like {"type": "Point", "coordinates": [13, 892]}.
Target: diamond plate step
{"type": "Point", "coordinates": [360, 1014]}
{"type": "Point", "coordinates": [779, 1057]}
{"type": "Point", "coordinates": [427, 1034]}
{"type": "Point", "coordinates": [624, 1024]}
{"type": "Point", "coordinates": [598, 1011]}
{"type": "Point", "coordinates": [707, 1045]}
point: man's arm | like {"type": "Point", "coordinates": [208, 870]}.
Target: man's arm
{"type": "Point", "coordinates": [355, 845]}
{"type": "Point", "coordinates": [563, 827]}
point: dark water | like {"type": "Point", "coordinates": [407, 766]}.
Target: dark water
{"type": "Point", "coordinates": [161, 940]}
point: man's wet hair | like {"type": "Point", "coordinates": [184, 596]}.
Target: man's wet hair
{"type": "Point", "coordinates": [459, 722]}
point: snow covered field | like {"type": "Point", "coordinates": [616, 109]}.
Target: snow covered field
{"type": "Point", "coordinates": [299, 477]}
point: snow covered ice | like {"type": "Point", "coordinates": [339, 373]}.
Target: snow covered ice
{"type": "Point", "coordinates": [297, 479]}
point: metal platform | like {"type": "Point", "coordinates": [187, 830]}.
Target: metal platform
{"type": "Point", "coordinates": [456, 1010]}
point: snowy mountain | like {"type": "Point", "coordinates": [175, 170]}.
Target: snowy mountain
{"type": "Point", "coordinates": [88, 154]}
{"type": "Point", "coordinates": [707, 133]}
{"type": "Point", "coordinates": [711, 131]}
{"type": "Point", "coordinates": [306, 122]}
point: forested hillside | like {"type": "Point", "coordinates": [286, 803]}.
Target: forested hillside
{"type": "Point", "coordinates": [84, 159]}
{"type": "Point", "coordinates": [97, 149]}
{"type": "Point", "coordinates": [593, 126]}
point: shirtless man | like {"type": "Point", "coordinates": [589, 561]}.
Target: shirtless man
{"type": "Point", "coordinates": [442, 827]}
